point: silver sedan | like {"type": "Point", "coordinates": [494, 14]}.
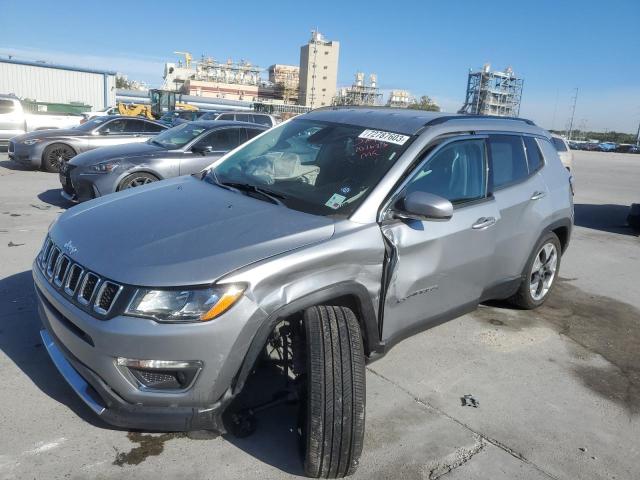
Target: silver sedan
{"type": "Point", "coordinates": [48, 149]}
{"type": "Point", "coordinates": [182, 150]}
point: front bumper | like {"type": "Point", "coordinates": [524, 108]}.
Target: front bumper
{"type": "Point", "coordinates": [78, 342]}
{"type": "Point", "coordinates": [27, 155]}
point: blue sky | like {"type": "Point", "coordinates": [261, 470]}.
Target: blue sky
{"type": "Point", "coordinates": [424, 46]}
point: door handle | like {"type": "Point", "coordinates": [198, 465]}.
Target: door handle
{"type": "Point", "coordinates": [484, 222]}
{"type": "Point", "coordinates": [537, 195]}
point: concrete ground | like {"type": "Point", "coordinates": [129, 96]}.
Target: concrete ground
{"type": "Point", "coordinates": [558, 388]}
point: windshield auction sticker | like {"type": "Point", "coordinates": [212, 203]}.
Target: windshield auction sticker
{"type": "Point", "coordinates": [335, 201]}
{"type": "Point", "coordinates": [382, 136]}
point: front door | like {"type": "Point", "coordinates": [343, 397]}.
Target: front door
{"type": "Point", "coordinates": [438, 269]}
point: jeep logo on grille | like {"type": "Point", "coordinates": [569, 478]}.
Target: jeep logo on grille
{"type": "Point", "coordinates": [70, 248]}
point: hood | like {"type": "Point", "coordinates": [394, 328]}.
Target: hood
{"type": "Point", "coordinates": [52, 133]}
{"type": "Point", "coordinates": [181, 232]}
{"type": "Point", "coordinates": [128, 150]}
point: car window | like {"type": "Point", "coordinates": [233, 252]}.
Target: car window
{"type": "Point", "coordinates": [262, 120]}
{"type": "Point", "coordinates": [457, 172]}
{"type": "Point", "coordinates": [114, 127]}
{"type": "Point", "coordinates": [243, 117]}
{"type": "Point", "coordinates": [153, 127]}
{"type": "Point", "coordinates": [134, 126]}
{"type": "Point", "coordinates": [534, 157]}
{"type": "Point", "coordinates": [559, 144]}
{"type": "Point", "coordinates": [323, 168]}
{"type": "Point", "coordinates": [6, 106]}
{"type": "Point", "coordinates": [226, 116]}
{"type": "Point", "coordinates": [509, 164]}
{"type": "Point", "coordinates": [179, 136]}
{"type": "Point", "coordinates": [221, 140]}
{"type": "Point", "coordinates": [253, 132]}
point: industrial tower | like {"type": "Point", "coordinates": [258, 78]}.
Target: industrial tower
{"type": "Point", "coordinates": [493, 93]}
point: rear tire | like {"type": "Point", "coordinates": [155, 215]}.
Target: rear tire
{"type": "Point", "coordinates": [137, 180]}
{"type": "Point", "coordinates": [333, 416]}
{"type": "Point", "coordinates": [540, 274]}
{"type": "Point", "coordinates": [55, 155]}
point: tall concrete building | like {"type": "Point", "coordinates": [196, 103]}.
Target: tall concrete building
{"type": "Point", "coordinates": [318, 71]}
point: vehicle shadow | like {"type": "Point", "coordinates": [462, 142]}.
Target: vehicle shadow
{"type": "Point", "coordinates": [53, 197]}
{"type": "Point", "coordinates": [11, 165]}
{"type": "Point", "coordinates": [21, 343]}
{"type": "Point", "coordinates": [606, 218]}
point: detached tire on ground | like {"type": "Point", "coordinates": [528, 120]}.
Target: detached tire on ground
{"type": "Point", "coordinates": [136, 180]}
{"type": "Point", "coordinates": [540, 274]}
{"type": "Point", "coordinates": [332, 420]}
{"type": "Point", "coordinates": [55, 155]}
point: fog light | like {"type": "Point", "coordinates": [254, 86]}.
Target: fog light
{"type": "Point", "coordinates": [162, 374]}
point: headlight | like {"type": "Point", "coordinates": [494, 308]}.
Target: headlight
{"type": "Point", "coordinates": [197, 305]}
{"type": "Point", "coordinates": [104, 167]}
{"type": "Point", "coordinates": [31, 141]}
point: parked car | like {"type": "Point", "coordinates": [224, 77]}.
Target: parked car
{"type": "Point", "coordinates": [49, 149]}
{"type": "Point", "coordinates": [158, 304]}
{"type": "Point", "coordinates": [15, 121]}
{"type": "Point", "coordinates": [176, 117]}
{"type": "Point", "coordinates": [634, 149]}
{"type": "Point", "coordinates": [607, 147]}
{"type": "Point", "coordinates": [564, 152]}
{"type": "Point", "coordinates": [100, 113]}
{"type": "Point", "coordinates": [181, 150]}
{"type": "Point", "coordinates": [242, 116]}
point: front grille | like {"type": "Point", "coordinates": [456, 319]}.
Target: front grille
{"type": "Point", "coordinates": [86, 288]}
{"type": "Point", "coordinates": [89, 285]}
{"type": "Point", "coordinates": [106, 296]}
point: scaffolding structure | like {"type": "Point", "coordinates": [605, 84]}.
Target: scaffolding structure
{"type": "Point", "coordinates": [493, 93]}
{"type": "Point", "coordinates": [239, 73]}
{"type": "Point", "coordinates": [400, 99]}
{"type": "Point", "coordinates": [360, 93]}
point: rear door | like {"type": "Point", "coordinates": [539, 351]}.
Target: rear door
{"type": "Point", "coordinates": [520, 194]}
{"type": "Point", "coordinates": [221, 141]}
{"type": "Point", "coordinates": [437, 269]}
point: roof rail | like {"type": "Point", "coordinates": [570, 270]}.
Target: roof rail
{"type": "Point", "coordinates": [446, 118]}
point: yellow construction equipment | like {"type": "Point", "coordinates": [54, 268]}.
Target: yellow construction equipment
{"type": "Point", "coordinates": [135, 110]}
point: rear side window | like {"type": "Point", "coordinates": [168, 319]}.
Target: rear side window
{"type": "Point", "coordinates": [534, 156]}
{"type": "Point", "coordinates": [508, 161]}
{"type": "Point", "coordinates": [243, 117]}
{"type": "Point", "coordinates": [262, 120]}
{"type": "Point", "coordinates": [226, 116]}
{"type": "Point", "coordinates": [6, 106]}
{"type": "Point", "coordinates": [134, 126]}
{"type": "Point", "coordinates": [252, 132]}
{"type": "Point", "coordinates": [152, 127]}
{"type": "Point", "coordinates": [457, 173]}
{"type": "Point", "coordinates": [222, 140]}
{"type": "Point", "coordinates": [559, 144]}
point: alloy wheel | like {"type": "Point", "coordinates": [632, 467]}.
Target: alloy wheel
{"type": "Point", "coordinates": [543, 271]}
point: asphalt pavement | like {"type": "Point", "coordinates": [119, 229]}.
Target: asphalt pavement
{"type": "Point", "coordinates": [557, 389]}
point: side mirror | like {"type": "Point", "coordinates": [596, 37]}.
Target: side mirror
{"type": "Point", "coordinates": [423, 206]}
{"type": "Point", "coordinates": [202, 149]}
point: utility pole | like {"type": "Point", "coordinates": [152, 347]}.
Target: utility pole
{"type": "Point", "coordinates": [573, 112]}
{"type": "Point", "coordinates": [638, 136]}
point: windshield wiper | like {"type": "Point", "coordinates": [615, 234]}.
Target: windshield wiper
{"type": "Point", "coordinates": [273, 197]}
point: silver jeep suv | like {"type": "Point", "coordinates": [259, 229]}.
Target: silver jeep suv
{"type": "Point", "coordinates": [313, 248]}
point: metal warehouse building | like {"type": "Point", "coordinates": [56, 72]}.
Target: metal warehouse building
{"type": "Point", "coordinates": [45, 82]}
